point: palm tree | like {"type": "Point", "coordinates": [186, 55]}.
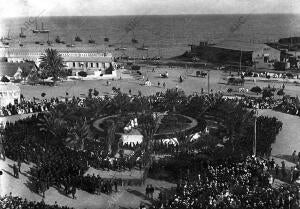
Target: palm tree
{"type": "Point", "coordinates": [110, 135]}
{"type": "Point", "coordinates": [52, 64]}
{"type": "Point", "coordinates": [148, 126]}
{"type": "Point", "coordinates": [52, 125]}
{"type": "Point", "coordinates": [173, 98]}
{"type": "Point", "coordinates": [79, 133]}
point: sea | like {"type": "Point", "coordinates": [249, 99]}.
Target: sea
{"type": "Point", "coordinates": [164, 36]}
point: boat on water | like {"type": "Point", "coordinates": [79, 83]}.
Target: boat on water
{"type": "Point", "coordinates": [91, 41]}
{"type": "Point", "coordinates": [111, 45]}
{"type": "Point", "coordinates": [134, 41]}
{"type": "Point", "coordinates": [42, 30]}
{"type": "Point", "coordinates": [49, 42]}
{"type": "Point", "coordinates": [77, 38]}
{"type": "Point", "coordinates": [22, 35]}
{"type": "Point", "coordinates": [120, 49]}
{"type": "Point", "coordinates": [70, 45]}
{"type": "Point", "coordinates": [106, 39]}
{"type": "Point", "coordinates": [144, 48]}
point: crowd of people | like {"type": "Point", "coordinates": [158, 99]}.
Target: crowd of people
{"type": "Point", "coordinates": [257, 103]}
{"type": "Point", "coordinates": [11, 202]}
{"type": "Point", "coordinates": [65, 168]}
{"type": "Point", "coordinates": [28, 106]}
{"type": "Point", "coordinates": [233, 184]}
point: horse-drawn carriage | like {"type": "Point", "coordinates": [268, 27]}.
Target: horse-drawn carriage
{"type": "Point", "coordinates": [201, 74]}
{"type": "Point", "coordinates": [164, 75]}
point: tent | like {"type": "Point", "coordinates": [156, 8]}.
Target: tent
{"type": "Point", "coordinates": [132, 139]}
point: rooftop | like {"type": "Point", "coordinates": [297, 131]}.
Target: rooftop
{"type": "Point", "coordinates": [244, 46]}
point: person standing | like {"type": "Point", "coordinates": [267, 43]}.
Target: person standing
{"type": "Point", "coordinates": [294, 156]}
{"type": "Point", "coordinates": [15, 170]}
{"type": "Point", "coordinates": [151, 191]}
{"type": "Point", "coordinates": [164, 85]}
{"type": "Point", "coordinates": [73, 191]}
{"type": "Point", "coordinates": [19, 164]}
{"type": "Point", "coordinates": [148, 191]}
{"type": "Point", "coordinates": [116, 185]}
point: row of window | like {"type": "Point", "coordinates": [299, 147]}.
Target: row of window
{"type": "Point", "coordinates": [87, 64]}
{"type": "Point", "coordinates": [4, 94]}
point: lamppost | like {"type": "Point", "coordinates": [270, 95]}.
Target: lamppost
{"type": "Point", "coordinates": [255, 121]}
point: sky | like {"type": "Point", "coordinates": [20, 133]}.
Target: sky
{"type": "Point", "coordinates": [20, 8]}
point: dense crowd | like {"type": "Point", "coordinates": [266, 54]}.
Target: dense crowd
{"type": "Point", "coordinates": [233, 184]}
{"type": "Point", "coordinates": [61, 166]}
{"type": "Point", "coordinates": [258, 103]}
{"type": "Point", "coordinates": [11, 202]}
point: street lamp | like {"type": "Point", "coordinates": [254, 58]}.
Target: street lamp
{"type": "Point", "coordinates": [255, 121]}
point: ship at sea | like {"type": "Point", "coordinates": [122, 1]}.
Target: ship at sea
{"type": "Point", "coordinates": [42, 30]}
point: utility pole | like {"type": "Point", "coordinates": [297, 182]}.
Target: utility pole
{"type": "Point", "coordinates": [208, 87]}
{"type": "Point", "coordinates": [254, 142]}
{"type": "Point", "coordinates": [240, 62]}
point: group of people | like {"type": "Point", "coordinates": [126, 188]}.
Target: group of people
{"type": "Point", "coordinates": [25, 107]}
{"type": "Point", "coordinates": [232, 184]}
{"type": "Point", "coordinates": [257, 103]}
{"type": "Point", "coordinates": [11, 202]}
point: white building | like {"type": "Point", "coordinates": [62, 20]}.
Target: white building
{"type": "Point", "coordinates": [9, 94]}
{"type": "Point", "coordinates": [93, 63]}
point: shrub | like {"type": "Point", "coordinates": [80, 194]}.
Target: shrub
{"type": "Point", "coordinates": [82, 74]}
{"type": "Point", "coordinates": [229, 90]}
{"type": "Point", "coordinates": [267, 93]}
{"type": "Point", "coordinates": [256, 89]}
{"type": "Point", "coordinates": [280, 92]}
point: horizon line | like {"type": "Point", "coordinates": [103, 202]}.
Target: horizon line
{"type": "Point", "coordinates": [128, 15]}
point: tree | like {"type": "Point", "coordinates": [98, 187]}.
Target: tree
{"type": "Point", "coordinates": [52, 64]}
{"type": "Point", "coordinates": [96, 93]}
{"type": "Point", "coordinates": [25, 72]}
{"type": "Point", "coordinates": [280, 92]}
{"type": "Point", "coordinates": [4, 79]}
{"type": "Point", "coordinates": [82, 74]}
{"type": "Point", "coordinates": [79, 133]}
{"type": "Point", "coordinates": [173, 98]}
{"type": "Point", "coordinates": [267, 93]}
{"type": "Point", "coordinates": [256, 89]}
{"type": "Point", "coordinates": [110, 135]}
{"type": "Point", "coordinates": [148, 125]}
{"type": "Point", "coordinates": [53, 126]}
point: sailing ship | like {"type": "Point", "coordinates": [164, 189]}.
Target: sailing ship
{"type": "Point", "coordinates": [77, 38]}
{"type": "Point", "coordinates": [22, 35]}
{"type": "Point", "coordinates": [70, 45]}
{"type": "Point", "coordinates": [42, 30]}
{"type": "Point", "coordinates": [91, 41]}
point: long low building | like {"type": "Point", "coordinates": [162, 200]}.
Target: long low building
{"type": "Point", "coordinates": [93, 63]}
